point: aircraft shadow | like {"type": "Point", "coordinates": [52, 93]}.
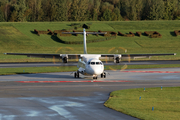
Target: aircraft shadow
{"type": "Point", "coordinates": [57, 39]}
{"type": "Point", "coordinates": [173, 34]}
{"type": "Point", "coordinates": [33, 32]}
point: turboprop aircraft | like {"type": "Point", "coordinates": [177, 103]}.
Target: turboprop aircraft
{"type": "Point", "coordinates": [89, 64]}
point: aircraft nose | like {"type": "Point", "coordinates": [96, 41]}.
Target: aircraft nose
{"type": "Point", "coordinates": [97, 71]}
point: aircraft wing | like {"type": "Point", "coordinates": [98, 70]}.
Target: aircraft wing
{"type": "Point", "coordinates": [65, 57]}
{"type": "Point", "coordinates": [144, 55]}
{"type": "Point", "coordinates": [58, 56]}
{"type": "Point", "coordinates": [117, 57]}
{"type": "Point", "coordinates": [135, 55]}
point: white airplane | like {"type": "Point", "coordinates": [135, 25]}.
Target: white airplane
{"type": "Point", "coordinates": [89, 64]}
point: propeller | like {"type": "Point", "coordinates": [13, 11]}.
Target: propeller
{"type": "Point", "coordinates": [65, 50]}
{"type": "Point", "coordinates": [118, 50]}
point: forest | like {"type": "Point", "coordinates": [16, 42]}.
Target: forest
{"type": "Point", "coordinates": [88, 10]}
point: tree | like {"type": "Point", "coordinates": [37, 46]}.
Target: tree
{"type": "Point", "coordinates": [133, 11]}
{"type": "Point", "coordinates": [75, 10]}
{"type": "Point", "coordinates": [170, 9]}
{"type": "Point", "coordinates": [106, 15]}
{"type": "Point", "coordinates": [53, 10]}
{"type": "Point", "coordinates": [13, 16]}
{"type": "Point", "coordinates": [94, 15]}
{"type": "Point", "coordinates": [1, 17]}
{"type": "Point", "coordinates": [39, 10]}
{"type": "Point", "coordinates": [157, 10]}
{"type": "Point", "coordinates": [139, 9]}
{"type": "Point", "coordinates": [146, 9]}
{"type": "Point", "coordinates": [47, 9]}
{"type": "Point", "coordinates": [106, 6]}
{"type": "Point", "coordinates": [78, 10]}
{"type": "Point", "coordinates": [61, 10]}
{"type": "Point", "coordinates": [20, 10]}
{"type": "Point", "coordinates": [83, 7]}
{"type": "Point", "coordinates": [118, 14]}
{"type": "Point", "coordinates": [7, 11]}
{"type": "Point", "coordinates": [126, 8]}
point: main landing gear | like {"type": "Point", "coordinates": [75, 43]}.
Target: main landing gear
{"type": "Point", "coordinates": [103, 75]}
{"type": "Point", "coordinates": [76, 74]}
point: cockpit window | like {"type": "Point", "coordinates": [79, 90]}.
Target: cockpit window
{"type": "Point", "coordinates": [92, 63]}
{"type": "Point", "coordinates": [97, 63]}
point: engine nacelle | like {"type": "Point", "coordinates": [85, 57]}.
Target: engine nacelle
{"type": "Point", "coordinates": [117, 58]}
{"type": "Point", "coordinates": [64, 58]}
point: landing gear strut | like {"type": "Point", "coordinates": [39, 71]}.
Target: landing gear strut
{"type": "Point", "coordinates": [117, 60]}
{"type": "Point", "coordinates": [76, 74]}
{"type": "Point", "coordinates": [65, 60]}
{"type": "Point", "coordinates": [103, 75]}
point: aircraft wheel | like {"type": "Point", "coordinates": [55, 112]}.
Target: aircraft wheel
{"type": "Point", "coordinates": [75, 75]}
{"type": "Point", "coordinates": [104, 75]}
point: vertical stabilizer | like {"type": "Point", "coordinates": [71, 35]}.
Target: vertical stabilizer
{"type": "Point", "coordinates": [85, 49]}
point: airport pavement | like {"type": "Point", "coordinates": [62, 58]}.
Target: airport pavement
{"type": "Point", "coordinates": [51, 97]}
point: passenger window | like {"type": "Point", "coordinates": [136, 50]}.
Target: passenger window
{"type": "Point", "coordinates": [101, 63]}
{"type": "Point", "coordinates": [88, 63]}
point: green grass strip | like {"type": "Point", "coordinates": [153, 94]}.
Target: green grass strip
{"type": "Point", "coordinates": [29, 70]}
{"type": "Point", "coordinates": [166, 103]}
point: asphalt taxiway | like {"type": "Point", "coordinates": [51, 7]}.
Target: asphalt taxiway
{"type": "Point", "coordinates": [59, 96]}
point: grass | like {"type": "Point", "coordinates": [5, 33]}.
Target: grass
{"type": "Point", "coordinates": [29, 70]}
{"type": "Point", "coordinates": [166, 103]}
{"type": "Point", "coordinates": [19, 37]}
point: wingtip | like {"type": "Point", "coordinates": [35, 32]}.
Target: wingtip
{"type": "Point", "coordinates": [174, 53]}
{"type": "Point", "coordinates": [5, 53]}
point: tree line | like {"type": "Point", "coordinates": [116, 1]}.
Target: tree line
{"type": "Point", "coordinates": [88, 10]}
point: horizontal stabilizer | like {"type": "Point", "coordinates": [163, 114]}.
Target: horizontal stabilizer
{"type": "Point", "coordinates": [94, 33]}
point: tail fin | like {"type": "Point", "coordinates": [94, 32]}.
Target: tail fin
{"type": "Point", "coordinates": [84, 33]}
{"type": "Point", "coordinates": [85, 49]}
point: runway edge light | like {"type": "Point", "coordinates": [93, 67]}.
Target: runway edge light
{"type": "Point", "coordinates": [144, 89]}
{"type": "Point", "coordinates": [161, 87]}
